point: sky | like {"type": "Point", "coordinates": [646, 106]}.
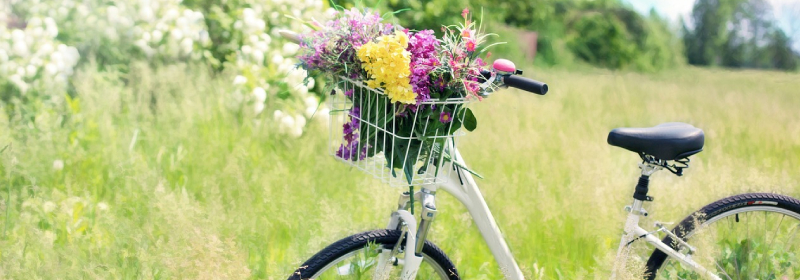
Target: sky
{"type": "Point", "coordinates": [787, 13]}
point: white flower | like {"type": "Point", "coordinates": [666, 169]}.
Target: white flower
{"type": "Point", "coordinates": [261, 46]}
{"type": "Point", "coordinates": [310, 111]}
{"type": "Point", "coordinates": [16, 79]}
{"type": "Point", "coordinates": [177, 34]}
{"type": "Point", "coordinates": [157, 35]}
{"type": "Point", "coordinates": [296, 131]}
{"type": "Point", "coordinates": [51, 69]}
{"type": "Point", "coordinates": [17, 35]}
{"type": "Point", "coordinates": [20, 48]}
{"type": "Point", "coordinates": [247, 49]}
{"type": "Point", "coordinates": [248, 13]}
{"type": "Point", "coordinates": [286, 124]}
{"type": "Point", "coordinates": [102, 206]}
{"type": "Point", "coordinates": [266, 37]}
{"type": "Point", "coordinates": [3, 56]}
{"type": "Point", "coordinates": [259, 106]}
{"type": "Point", "coordinates": [146, 14]}
{"type": "Point", "coordinates": [146, 36]}
{"type": "Point", "coordinates": [239, 80]}
{"type": "Point", "coordinates": [260, 24]}
{"type": "Point", "coordinates": [46, 49]}
{"type": "Point", "coordinates": [187, 45]}
{"type": "Point", "coordinates": [58, 164]}
{"type": "Point", "coordinates": [51, 27]}
{"type": "Point", "coordinates": [300, 121]}
{"type": "Point", "coordinates": [21, 71]}
{"type": "Point", "coordinates": [260, 94]}
{"type": "Point", "coordinates": [290, 49]}
{"type": "Point", "coordinates": [171, 14]}
{"type": "Point", "coordinates": [310, 83]}
{"type": "Point", "coordinates": [311, 101]}
{"type": "Point", "coordinates": [112, 12]}
{"type": "Point", "coordinates": [30, 71]}
{"type": "Point", "coordinates": [323, 114]}
{"type": "Point", "coordinates": [258, 56]}
{"type": "Point", "coordinates": [181, 23]}
{"type": "Point", "coordinates": [277, 59]}
{"type": "Point", "coordinates": [278, 114]}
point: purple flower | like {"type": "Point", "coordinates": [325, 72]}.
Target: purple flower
{"type": "Point", "coordinates": [446, 117]}
{"type": "Point", "coordinates": [352, 152]}
{"type": "Point", "coordinates": [334, 45]}
{"type": "Point", "coordinates": [348, 93]}
{"type": "Point", "coordinates": [422, 46]}
{"type": "Point", "coordinates": [355, 112]}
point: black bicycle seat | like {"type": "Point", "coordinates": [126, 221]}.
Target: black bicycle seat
{"type": "Point", "coordinates": [668, 141]}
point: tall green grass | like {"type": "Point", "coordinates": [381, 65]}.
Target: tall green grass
{"type": "Point", "coordinates": [164, 177]}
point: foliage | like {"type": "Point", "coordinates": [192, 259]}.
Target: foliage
{"type": "Point", "coordinates": [602, 41]}
{"type": "Point", "coordinates": [739, 33]}
{"type": "Point", "coordinates": [637, 42]}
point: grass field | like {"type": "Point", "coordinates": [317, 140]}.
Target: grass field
{"type": "Point", "coordinates": [160, 180]}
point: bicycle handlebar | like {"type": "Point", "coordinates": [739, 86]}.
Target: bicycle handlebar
{"type": "Point", "coordinates": [522, 83]}
{"type": "Point", "coordinates": [525, 84]}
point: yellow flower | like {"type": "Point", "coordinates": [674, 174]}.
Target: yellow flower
{"type": "Point", "coordinates": [387, 64]}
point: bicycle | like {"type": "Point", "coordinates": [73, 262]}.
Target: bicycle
{"type": "Point", "coordinates": [728, 249]}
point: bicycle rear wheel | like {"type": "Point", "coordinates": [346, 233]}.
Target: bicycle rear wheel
{"type": "Point", "coordinates": [748, 236]}
{"type": "Point", "coordinates": [356, 257]}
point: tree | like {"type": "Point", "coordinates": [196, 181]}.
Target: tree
{"type": "Point", "coordinates": [781, 52]}
{"type": "Point", "coordinates": [736, 33]}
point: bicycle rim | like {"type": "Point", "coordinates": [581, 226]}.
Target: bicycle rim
{"type": "Point", "coordinates": [753, 242]}
{"type": "Point", "coordinates": [362, 264]}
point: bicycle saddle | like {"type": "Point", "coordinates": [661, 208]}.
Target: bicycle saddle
{"type": "Point", "coordinates": [668, 141]}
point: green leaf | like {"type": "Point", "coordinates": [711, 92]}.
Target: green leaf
{"type": "Point", "coordinates": [470, 122]}
{"type": "Point", "coordinates": [4, 148]}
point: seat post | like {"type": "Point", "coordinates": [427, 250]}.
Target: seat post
{"type": "Point", "coordinates": [642, 187]}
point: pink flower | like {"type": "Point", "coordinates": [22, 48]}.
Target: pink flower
{"type": "Point", "coordinates": [467, 33]}
{"type": "Point", "coordinates": [464, 13]}
{"type": "Point", "coordinates": [470, 45]}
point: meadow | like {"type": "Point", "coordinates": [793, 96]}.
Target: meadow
{"type": "Point", "coordinates": [153, 177]}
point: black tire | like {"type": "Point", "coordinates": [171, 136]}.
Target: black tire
{"type": "Point", "coordinates": [383, 237]}
{"type": "Point", "coordinates": [719, 208]}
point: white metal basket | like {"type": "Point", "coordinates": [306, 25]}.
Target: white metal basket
{"type": "Point", "coordinates": [376, 143]}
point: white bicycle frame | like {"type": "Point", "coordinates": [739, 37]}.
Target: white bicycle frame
{"type": "Point", "coordinates": [462, 186]}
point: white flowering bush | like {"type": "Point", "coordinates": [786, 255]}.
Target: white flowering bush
{"type": "Point", "coordinates": [161, 29]}
{"type": "Point", "coordinates": [266, 72]}
{"type": "Point", "coordinates": [117, 31]}
{"type": "Point", "coordinates": [34, 66]}
{"type": "Point", "coordinates": [237, 36]}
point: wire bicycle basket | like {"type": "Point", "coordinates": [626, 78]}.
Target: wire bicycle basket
{"type": "Point", "coordinates": [401, 145]}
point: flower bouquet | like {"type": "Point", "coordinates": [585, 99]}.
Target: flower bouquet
{"type": "Point", "coordinates": [399, 96]}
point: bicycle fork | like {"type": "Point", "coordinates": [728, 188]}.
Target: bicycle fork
{"type": "Point", "coordinates": [415, 236]}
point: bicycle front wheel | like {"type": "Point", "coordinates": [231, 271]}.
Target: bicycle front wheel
{"type": "Point", "coordinates": [356, 257]}
{"type": "Point", "coordinates": [748, 236]}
